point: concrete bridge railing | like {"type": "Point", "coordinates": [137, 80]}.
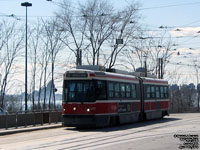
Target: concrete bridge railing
{"type": "Point", "coordinates": [23, 119]}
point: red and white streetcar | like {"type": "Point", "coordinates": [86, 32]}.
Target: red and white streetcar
{"type": "Point", "coordinates": [100, 98]}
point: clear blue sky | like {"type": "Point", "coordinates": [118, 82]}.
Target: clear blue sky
{"type": "Point", "coordinates": [169, 16]}
{"type": "Point", "coordinates": [39, 8]}
{"type": "Point", "coordinates": [183, 14]}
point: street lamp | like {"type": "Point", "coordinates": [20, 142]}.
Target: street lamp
{"type": "Point", "coordinates": [26, 4]}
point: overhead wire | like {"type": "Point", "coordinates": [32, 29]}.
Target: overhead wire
{"type": "Point", "coordinates": [167, 6]}
{"type": "Point", "coordinates": [147, 8]}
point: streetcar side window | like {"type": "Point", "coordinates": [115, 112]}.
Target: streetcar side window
{"type": "Point", "coordinates": [161, 92]}
{"type": "Point", "coordinates": [157, 92]}
{"type": "Point", "coordinates": [128, 91]}
{"type": "Point", "coordinates": [117, 91]}
{"type": "Point", "coordinates": [152, 92]}
{"type": "Point", "coordinates": [123, 90]}
{"type": "Point", "coordinates": [110, 90]}
{"type": "Point", "coordinates": [166, 95]}
{"type": "Point", "coordinates": [133, 92]}
{"type": "Point", "coordinates": [148, 89]}
{"type": "Point", "coordinates": [100, 89]}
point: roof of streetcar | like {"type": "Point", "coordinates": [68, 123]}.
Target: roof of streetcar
{"type": "Point", "coordinates": [115, 76]}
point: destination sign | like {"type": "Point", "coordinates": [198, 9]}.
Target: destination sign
{"type": "Point", "coordinates": [76, 75]}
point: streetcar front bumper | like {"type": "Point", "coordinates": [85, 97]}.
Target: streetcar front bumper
{"type": "Point", "coordinates": [85, 120]}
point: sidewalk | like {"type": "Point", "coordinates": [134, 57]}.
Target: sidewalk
{"type": "Point", "coordinates": [29, 129]}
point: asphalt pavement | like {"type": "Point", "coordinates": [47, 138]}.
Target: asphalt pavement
{"type": "Point", "coordinates": [174, 132]}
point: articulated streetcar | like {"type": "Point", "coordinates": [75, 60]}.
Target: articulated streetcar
{"type": "Point", "coordinates": [101, 98]}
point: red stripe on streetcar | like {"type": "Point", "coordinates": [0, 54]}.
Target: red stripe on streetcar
{"type": "Point", "coordinates": [164, 104]}
{"type": "Point", "coordinates": [139, 106]}
{"type": "Point", "coordinates": [147, 106]}
{"type": "Point", "coordinates": [92, 75]}
{"type": "Point", "coordinates": [152, 105]}
{"type": "Point", "coordinates": [97, 108]}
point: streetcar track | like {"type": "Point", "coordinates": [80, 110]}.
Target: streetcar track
{"type": "Point", "coordinates": [104, 143]}
{"type": "Point", "coordinates": [112, 142]}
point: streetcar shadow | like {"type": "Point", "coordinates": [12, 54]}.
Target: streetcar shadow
{"type": "Point", "coordinates": [130, 125]}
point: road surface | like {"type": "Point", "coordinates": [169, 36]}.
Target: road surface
{"type": "Point", "coordinates": [174, 132]}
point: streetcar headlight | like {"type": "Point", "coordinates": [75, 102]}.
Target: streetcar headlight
{"type": "Point", "coordinates": [74, 108]}
{"type": "Point", "coordinates": [88, 109]}
{"type": "Point", "coordinates": [64, 109]}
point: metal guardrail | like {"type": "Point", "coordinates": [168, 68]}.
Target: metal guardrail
{"type": "Point", "coordinates": [30, 118]}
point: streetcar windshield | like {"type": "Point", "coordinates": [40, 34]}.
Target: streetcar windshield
{"type": "Point", "coordinates": [78, 91]}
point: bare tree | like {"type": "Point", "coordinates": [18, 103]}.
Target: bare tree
{"type": "Point", "coordinates": [163, 50]}
{"type": "Point", "coordinates": [173, 76]}
{"type": "Point", "coordinates": [196, 67]}
{"type": "Point", "coordinates": [35, 46]}
{"type": "Point", "coordinates": [73, 28]}
{"type": "Point", "coordinates": [53, 45]}
{"type": "Point", "coordinates": [2, 34]}
{"type": "Point", "coordinates": [10, 50]}
{"type": "Point", "coordinates": [41, 64]}
{"type": "Point", "coordinates": [100, 23]}
{"type": "Point", "coordinates": [149, 49]}
{"type": "Point", "coordinates": [126, 26]}
{"type": "Point", "coordinates": [43, 60]}
{"type": "Point", "coordinates": [97, 25]}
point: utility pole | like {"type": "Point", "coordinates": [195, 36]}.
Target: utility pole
{"type": "Point", "coordinates": [79, 57]}
{"type": "Point", "coordinates": [161, 66]}
{"type": "Point", "coordinates": [26, 4]}
{"type": "Point", "coordinates": [145, 67]}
